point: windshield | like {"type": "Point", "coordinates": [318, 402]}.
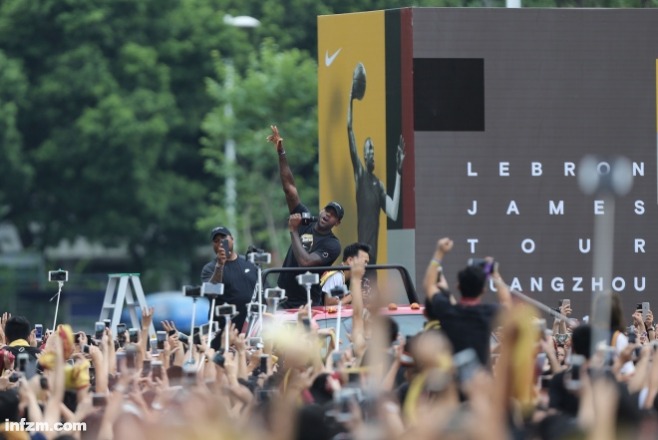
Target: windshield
{"type": "Point", "coordinates": [390, 281]}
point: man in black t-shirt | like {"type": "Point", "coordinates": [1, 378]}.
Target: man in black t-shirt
{"type": "Point", "coordinates": [312, 244]}
{"type": "Point", "coordinates": [467, 322]}
{"type": "Point", "coordinates": [238, 275]}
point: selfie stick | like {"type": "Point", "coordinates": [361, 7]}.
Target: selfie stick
{"type": "Point", "coordinates": [260, 297]}
{"type": "Point", "coordinates": [192, 328]}
{"type": "Point", "coordinates": [340, 304]}
{"type": "Point", "coordinates": [58, 294]}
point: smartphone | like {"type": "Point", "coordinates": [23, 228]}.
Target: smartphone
{"type": "Point", "coordinates": [156, 369]}
{"type": "Point", "coordinates": [22, 360]}
{"type": "Point", "coordinates": [121, 361]}
{"type": "Point", "coordinates": [161, 337]}
{"type": "Point", "coordinates": [131, 357]}
{"type": "Point", "coordinates": [467, 364]}
{"type": "Point", "coordinates": [121, 329]}
{"type": "Point", "coordinates": [99, 328]}
{"type": "Point", "coordinates": [565, 302]}
{"type": "Point", "coordinates": [256, 343]}
{"type": "Point", "coordinates": [572, 376]}
{"type": "Point", "coordinates": [146, 367]}
{"type": "Point", "coordinates": [98, 399]}
{"type": "Point", "coordinates": [38, 331]}
{"type": "Point", "coordinates": [133, 334]}
{"type": "Point", "coordinates": [224, 244]}
{"type": "Point", "coordinates": [263, 363]}
{"type": "Point", "coordinates": [85, 349]}
{"type": "Point", "coordinates": [108, 323]}
{"type": "Point", "coordinates": [645, 310]}
{"type": "Point", "coordinates": [307, 324]}
{"type": "Point", "coordinates": [219, 359]}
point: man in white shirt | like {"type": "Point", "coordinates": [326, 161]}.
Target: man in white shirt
{"type": "Point", "coordinates": [335, 278]}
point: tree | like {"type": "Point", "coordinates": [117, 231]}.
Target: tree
{"type": "Point", "coordinates": [277, 88]}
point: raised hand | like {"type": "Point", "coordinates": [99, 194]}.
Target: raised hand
{"type": "Point", "coordinates": [276, 139]}
{"type": "Point", "coordinates": [147, 317]}
{"type": "Point", "coordinates": [399, 157]}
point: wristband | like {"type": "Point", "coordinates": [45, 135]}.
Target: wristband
{"type": "Point", "coordinates": [435, 262]}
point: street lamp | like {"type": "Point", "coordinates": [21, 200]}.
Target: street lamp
{"type": "Point", "coordinates": [241, 21]}
{"type": "Point", "coordinates": [606, 179]}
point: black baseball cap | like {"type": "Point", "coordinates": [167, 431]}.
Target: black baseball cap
{"type": "Point", "coordinates": [219, 230]}
{"type": "Point", "coordinates": [336, 207]}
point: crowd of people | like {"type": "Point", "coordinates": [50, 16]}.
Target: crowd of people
{"type": "Point", "coordinates": [477, 371]}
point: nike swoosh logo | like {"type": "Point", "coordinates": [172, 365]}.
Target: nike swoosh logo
{"type": "Point", "coordinates": [328, 60]}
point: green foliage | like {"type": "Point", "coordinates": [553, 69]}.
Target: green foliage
{"type": "Point", "coordinates": [277, 88]}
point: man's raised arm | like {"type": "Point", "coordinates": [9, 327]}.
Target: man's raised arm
{"type": "Point", "coordinates": [392, 204]}
{"type": "Point", "coordinates": [356, 162]}
{"type": "Point", "coordinates": [287, 179]}
{"type": "Point", "coordinates": [443, 246]}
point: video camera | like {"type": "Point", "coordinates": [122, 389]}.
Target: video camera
{"type": "Point", "coordinates": [307, 218]}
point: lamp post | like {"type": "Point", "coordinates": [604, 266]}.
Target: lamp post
{"type": "Point", "coordinates": [606, 179]}
{"type": "Point", "coordinates": [242, 21]}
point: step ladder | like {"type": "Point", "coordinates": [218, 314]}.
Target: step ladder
{"type": "Point", "coordinates": [124, 289]}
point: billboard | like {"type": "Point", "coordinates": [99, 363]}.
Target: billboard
{"type": "Point", "coordinates": [497, 108]}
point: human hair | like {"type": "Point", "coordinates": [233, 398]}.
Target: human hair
{"type": "Point", "coordinates": [581, 339]}
{"type": "Point", "coordinates": [17, 327]}
{"type": "Point", "coordinates": [352, 250]}
{"type": "Point", "coordinates": [616, 313]}
{"type": "Point", "coordinates": [471, 281]}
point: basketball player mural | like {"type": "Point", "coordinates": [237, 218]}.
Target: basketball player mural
{"type": "Point", "coordinates": [370, 192]}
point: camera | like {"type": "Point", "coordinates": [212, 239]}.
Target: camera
{"type": "Point", "coordinates": [488, 266]}
{"type": "Point", "coordinates": [307, 218]}
{"type": "Point", "coordinates": [58, 275]}
{"type": "Point", "coordinates": [225, 310]}
{"type": "Point", "coordinates": [307, 278]}
{"type": "Point", "coordinates": [210, 290]}
{"type": "Point", "coordinates": [192, 291]}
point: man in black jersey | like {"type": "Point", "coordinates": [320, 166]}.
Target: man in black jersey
{"type": "Point", "coordinates": [370, 192]}
{"type": "Point", "coordinates": [312, 244]}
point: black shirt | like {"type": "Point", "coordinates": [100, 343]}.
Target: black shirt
{"type": "Point", "coordinates": [466, 326]}
{"type": "Point", "coordinates": [325, 245]}
{"type": "Point", "coordinates": [239, 278]}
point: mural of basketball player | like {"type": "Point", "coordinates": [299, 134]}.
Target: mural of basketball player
{"type": "Point", "coordinates": [370, 191]}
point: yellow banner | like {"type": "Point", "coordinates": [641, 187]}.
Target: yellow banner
{"type": "Point", "coordinates": [344, 41]}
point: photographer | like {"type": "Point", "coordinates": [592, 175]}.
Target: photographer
{"type": "Point", "coordinates": [238, 275]}
{"type": "Point", "coordinates": [312, 242]}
